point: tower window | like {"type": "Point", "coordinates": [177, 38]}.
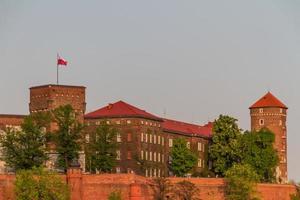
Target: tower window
{"type": "Point", "coordinates": [280, 110]}
{"type": "Point", "coordinates": [261, 110]}
{"type": "Point", "coordinates": [261, 122]}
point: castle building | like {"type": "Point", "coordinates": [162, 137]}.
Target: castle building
{"type": "Point", "coordinates": [145, 140]}
{"type": "Point", "coordinates": [269, 112]}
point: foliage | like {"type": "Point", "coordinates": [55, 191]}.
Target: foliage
{"type": "Point", "coordinates": [186, 190]}
{"type": "Point", "coordinates": [297, 195]}
{"type": "Point", "coordinates": [102, 148]}
{"type": "Point", "coordinates": [225, 149]}
{"type": "Point", "coordinates": [161, 188]}
{"type": "Point", "coordinates": [25, 148]}
{"type": "Point", "coordinates": [39, 184]}
{"type": "Point", "coordinates": [258, 151]}
{"type": "Point", "coordinates": [183, 159]}
{"type": "Point", "coordinates": [115, 195]}
{"type": "Point", "coordinates": [68, 136]}
{"type": "Point", "coordinates": [241, 179]}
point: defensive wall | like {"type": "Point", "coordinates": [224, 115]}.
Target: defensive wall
{"type": "Point", "coordinates": [134, 187]}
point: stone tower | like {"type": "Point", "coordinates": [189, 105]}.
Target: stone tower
{"type": "Point", "coordinates": [269, 112]}
{"type": "Point", "coordinates": [49, 97]}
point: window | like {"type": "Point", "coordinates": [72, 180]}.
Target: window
{"type": "Point", "coordinates": [119, 137]}
{"type": "Point", "coordinates": [128, 155]}
{"type": "Point", "coordinates": [261, 122]}
{"type": "Point", "coordinates": [261, 110]}
{"type": "Point", "coordinates": [150, 138]}
{"type": "Point", "coordinates": [142, 155]}
{"type": "Point", "coordinates": [118, 122]}
{"type": "Point", "coordinates": [142, 122]}
{"type": "Point", "coordinates": [146, 174]}
{"type": "Point", "coordinates": [142, 137]}
{"type": "Point", "coordinates": [158, 139]}
{"type": "Point", "coordinates": [118, 155]}
{"type": "Point", "coordinates": [118, 170]}
{"type": "Point", "coordinates": [280, 122]}
{"type": "Point", "coordinates": [107, 122]}
{"type": "Point", "coordinates": [87, 138]}
{"type": "Point", "coordinates": [154, 139]}
{"type": "Point", "coordinates": [146, 137]}
{"type": "Point", "coordinates": [150, 172]}
{"type": "Point", "coordinates": [280, 110]}
{"type": "Point", "coordinates": [129, 137]}
{"type": "Point", "coordinates": [128, 122]}
{"type": "Point", "coordinates": [170, 142]}
{"type": "Point", "coordinates": [199, 162]}
{"type": "Point", "coordinates": [158, 157]}
{"type": "Point", "coordinates": [199, 146]}
{"type": "Point", "coordinates": [154, 156]}
{"type": "Point", "coordinates": [188, 145]}
{"type": "Point", "coordinates": [162, 158]}
{"type": "Point", "coordinates": [150, 155]}
{"type": "Point", "coordinates": [154, 172]}
{"type": "Point", "coordinates": [146, 155]}
{"type": "Point", "coordinates": [162, 141]}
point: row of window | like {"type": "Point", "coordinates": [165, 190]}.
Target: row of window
{"type": "Point", "coordinates": [200, 146]}
{"type": "Point", "coordinates": [201, 162]}
{"type": "Point", "coordinates": [152, 156]}
{"type": "Point", "coordinates": [129, 122]}
{"type": "Point", "coordinates": [262, 122]}
{"type": "Point", "coordinates": [261, 110]}
{"type": "Point", "coordinates": [150, 123]}
{"type": "Point", "coordinates": [153, 172]}
{"type": "Point", "coordinates": [152, 138]}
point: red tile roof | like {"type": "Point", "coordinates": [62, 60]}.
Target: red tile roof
{"type": "Point", "coordinates": [120, 109]}
{"type": "Point", "coordinates": [186, 128]}
{"type": "Point", "coordinates": [268, 100]}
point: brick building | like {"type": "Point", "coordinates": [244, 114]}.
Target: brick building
{"type": "Point", "coordinates": [269, 112]}
{"type": "Point", "coordinates": [145, 137]}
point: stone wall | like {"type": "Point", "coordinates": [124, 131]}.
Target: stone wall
{"type": "Point", "coordinates": [134, 187]}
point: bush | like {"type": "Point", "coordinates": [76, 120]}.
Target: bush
{"type": "Point", "coordinates": [115, 195]}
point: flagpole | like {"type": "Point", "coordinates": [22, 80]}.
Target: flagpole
{"type": "Point", "coordinates": [57, 69]}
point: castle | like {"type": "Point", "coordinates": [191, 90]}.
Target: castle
{"type": "Point", "coordinates": [147, 137]}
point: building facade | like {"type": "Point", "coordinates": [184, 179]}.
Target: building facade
{"type": "Point", "coordinates": [269, 112]}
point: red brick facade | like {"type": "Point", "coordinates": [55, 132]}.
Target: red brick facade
{"type": "Point", "coordinates": [269, 112]}
{"type": "Point", "coordinates": [133, 187]}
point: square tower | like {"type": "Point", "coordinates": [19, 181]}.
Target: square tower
{"type": "Point", "coordinates": [49, 97]}
{"type": "Point", "coordinates": [269, 112]}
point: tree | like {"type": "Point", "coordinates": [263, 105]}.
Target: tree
{"type": "Point", "coordinates": [102, 148]}
{"type": "Point", "coordinates": [241, 179]}
{"type": "Point", "coordinates": [258, 152]}
{"type": "Point", "coordinates": [68, 137]}
{"type": "Point", "coordinates": [26, 148]}
{"type": "Point", "coordinates": [38, 184]}
{"type": "Point", "coordinates": [161, 188]}
{"type": "Point", "coordinates": [296, 196]}
{"type": "Point", "coordinates": [225, 149]}
{"type": "Point", "coordinates": [183, 159]}
{"type": "Point", "coordinates": [186, 190]}
{"type": "Point", "coordinates": [115, 195]}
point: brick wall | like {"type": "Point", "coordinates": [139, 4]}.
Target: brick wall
{"type": "Point", "coordinates": [134, 187]}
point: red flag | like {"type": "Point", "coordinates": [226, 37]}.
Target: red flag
{"type": "Point", "coordinates": [61, 61]}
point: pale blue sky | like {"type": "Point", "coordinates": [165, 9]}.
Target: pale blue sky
{"type": "Point", "coordinates": [194, 59]}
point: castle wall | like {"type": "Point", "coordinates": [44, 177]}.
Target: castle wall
{"type": "Point", "coordinates": [133, 187]}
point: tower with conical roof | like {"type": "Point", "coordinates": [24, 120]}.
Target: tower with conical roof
{"type": "Point", "coordinates": [269, 112]}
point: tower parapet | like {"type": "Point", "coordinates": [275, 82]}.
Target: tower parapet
{"type": "Point", "coordinates": [269, 112]}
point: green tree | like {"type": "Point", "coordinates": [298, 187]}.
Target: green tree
{"type": "Point", "coordinates": [225, 149]}
{"type": "Point", "coordinates": [183, 159]}
{"type": "Point", "coordinates": [296, 196]}
{"type": "Point", "coordinates": [258, 151]}
{"type": "Point", "coordinates": [115, 195]}
{"type": "Point", "coordinates": [102, 148]}
{"type": "Point", "coordinates": [68, 137]}
{"type": "Point", "coordinates": [241, 181]}
{"type": "Point", "coordinates": [36, 184]}
{"type": "Point", "coordinates": [26, 148]}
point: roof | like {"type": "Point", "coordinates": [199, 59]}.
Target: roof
{"type": "Point", "coordinates": [268, 100]}
{"type": "Point", "coordinates": [57, 86]}
{"type": "Point", "coordinates": [187, 128]}
{"type": "Point", "coordinates": [120, 109]}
